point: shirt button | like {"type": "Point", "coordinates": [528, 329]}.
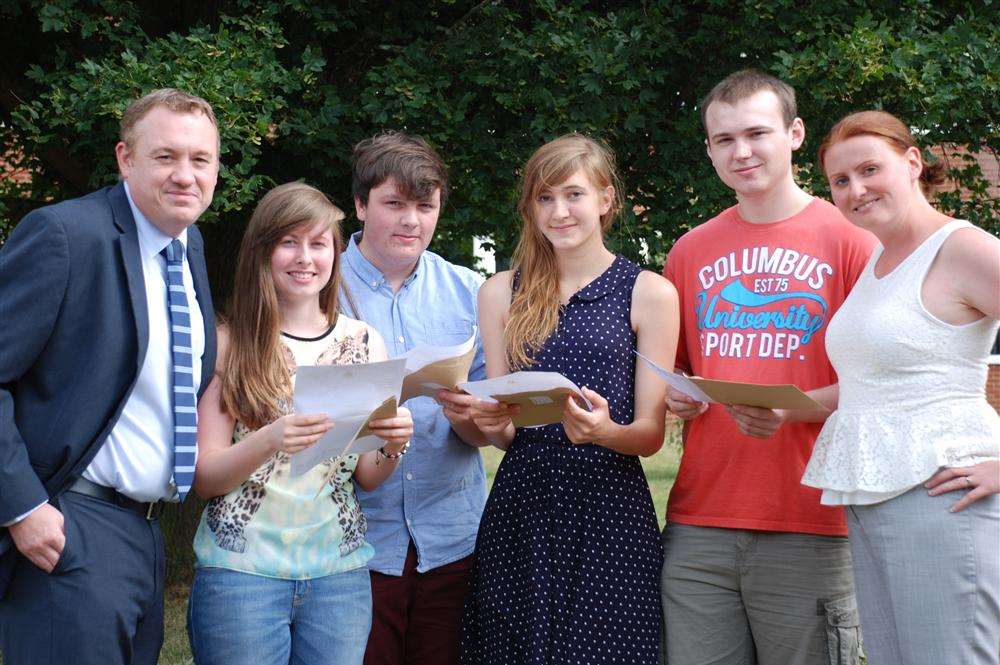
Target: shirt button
{"type": "Point", "coordinates": [374, 283]}
{"type": "Point", "coordinates": [400, 339]}
{"type": "Point", "coordinates": [409, 476]}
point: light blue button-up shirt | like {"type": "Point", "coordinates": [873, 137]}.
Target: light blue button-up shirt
{"type": "Point", "coordinates": [436, 495]}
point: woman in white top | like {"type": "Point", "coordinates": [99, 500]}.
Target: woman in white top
{"type": "Point", "coordinates": [913, 451]}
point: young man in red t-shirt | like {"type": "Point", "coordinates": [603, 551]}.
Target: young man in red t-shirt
{"type": "Point", "coordinates": [756, 570]}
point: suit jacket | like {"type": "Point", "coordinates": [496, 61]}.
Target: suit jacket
{"type": "Point", "coordinates": [73, 335]}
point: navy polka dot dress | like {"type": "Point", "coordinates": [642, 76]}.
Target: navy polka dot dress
{"type": "Point", "coordinates": [568, 555]}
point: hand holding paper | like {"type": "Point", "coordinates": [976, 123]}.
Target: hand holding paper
{"type": "Point", "coordinates": [292, 433]}
{"type": "Point", "coordinates": [583, 426]}
{"type": "Point", "coordinates": [351, 395]}
{"type": "Point", "coordinates": [684, 406]}
{"type": "Point", "coordinates": [392, 425]}
{"type": "Point", "coordinates": [456, 405]}
{"type": "Point", "coordinates": [784, 396]}
{"type": "Point", "coordinates": [541, 396]}
{"type": "Point", "coordinates": [494, 419]}
{"type": "Point", "coordinates": [755, 421]}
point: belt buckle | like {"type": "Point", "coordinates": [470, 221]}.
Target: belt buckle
{"type": "Point", "coordinates": [150, 509]}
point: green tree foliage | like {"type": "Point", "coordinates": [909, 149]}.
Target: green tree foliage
{"type": "Point", "coordinates": [296, 84]}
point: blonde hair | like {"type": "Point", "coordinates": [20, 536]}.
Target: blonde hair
{"type": "Point", "coordinates": [535, 305]}
{"type": "Point", "coordinates": [254, 373]}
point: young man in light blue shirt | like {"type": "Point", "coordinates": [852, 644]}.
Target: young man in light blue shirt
{"type": "Point", "coordinates": [423, 520]}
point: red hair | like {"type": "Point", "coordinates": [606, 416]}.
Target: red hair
{"type": "Point", "coordinates": [888, 128]}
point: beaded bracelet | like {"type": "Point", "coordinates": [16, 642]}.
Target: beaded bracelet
{"type": "Point", "coordinates": [380, 453]}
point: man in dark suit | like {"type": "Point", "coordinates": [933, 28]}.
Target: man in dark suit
{"type": "Point", "coordinates": [107, 335]}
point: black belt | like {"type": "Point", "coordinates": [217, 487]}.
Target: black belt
{"type": "Point", "coordinates": [149, 511]}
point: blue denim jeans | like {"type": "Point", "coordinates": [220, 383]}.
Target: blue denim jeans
{"type": "Point", "coordinates": [236, 618]}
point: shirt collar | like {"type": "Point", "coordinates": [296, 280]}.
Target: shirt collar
{"type": "Point", "coordinates": [366, 270]}
{"type": "Point", "coordinates": [604, 283]}
{"type": "Point", "coordinates": [152, 240]}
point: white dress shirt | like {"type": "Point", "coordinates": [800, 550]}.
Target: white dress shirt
{"type": "Point", "coordinates": [137, 457]}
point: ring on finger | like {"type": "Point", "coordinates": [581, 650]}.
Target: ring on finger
{"type": "Point", "coordinates": [968, 481]}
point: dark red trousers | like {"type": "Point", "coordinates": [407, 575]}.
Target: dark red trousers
{"type": "Point", "coordinates": [417, 618]}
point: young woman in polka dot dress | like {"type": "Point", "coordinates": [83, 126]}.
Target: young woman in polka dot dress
{"type": "Point", "coordinates": [568, 555]}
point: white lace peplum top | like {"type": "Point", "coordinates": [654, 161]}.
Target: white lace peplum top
{"type": "Point", "coordinates": [912, 388]}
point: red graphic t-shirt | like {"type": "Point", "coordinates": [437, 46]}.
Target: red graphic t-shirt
{"type": "Point", "coordinates": [755, 300]}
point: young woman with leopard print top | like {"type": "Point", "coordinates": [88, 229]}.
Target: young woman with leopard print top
{"type": "Point", "coordinates": [281, 560]}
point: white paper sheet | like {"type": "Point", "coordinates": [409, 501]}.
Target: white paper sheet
{"type": "Point", "coordinates": [678, 381]}
{"type": "Point", "coordinates": [521, 382]}
{"type": "Point", "coordinates": [421, 356]}
{"type": "Point", "coordinates": [347, 394]}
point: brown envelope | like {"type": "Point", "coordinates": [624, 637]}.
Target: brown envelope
{"type": "Point", "coordinates": [785, 396]}
{"type": "Point", "coordinates": [538, 407]}
{"type": "Point", "coordinates": [446, 373]}
{"type": "Point", "coordinates": [386, 409]}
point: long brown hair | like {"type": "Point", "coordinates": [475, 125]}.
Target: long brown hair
{"type": "Point", "coordinates": [534, 308]}
{"type": "Point", "coordinates": [254, 373]}
{"type": "Point", "coordinates": [890, 129]}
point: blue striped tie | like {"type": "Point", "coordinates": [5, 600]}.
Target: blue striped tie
{"type": "Point", "coordinates": [185, 412]}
